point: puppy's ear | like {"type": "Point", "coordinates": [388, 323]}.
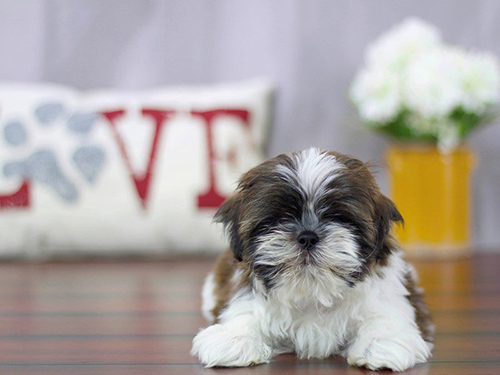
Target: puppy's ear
{"type": "Point", "coordinates": [229, 215]}
{"type": "Point", "coordinates": [386, 213]}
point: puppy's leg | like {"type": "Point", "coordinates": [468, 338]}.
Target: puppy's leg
{"type": "Point", "coordinates": [389, 336]}
{"type": "Point", "coordinates": [237, 341]}
{"type": "Point", "coordinates": [396, 351]}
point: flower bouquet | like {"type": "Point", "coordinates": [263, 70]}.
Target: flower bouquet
{"type": "Point", "coordinates": [414, 87]}
{"type": "Point", "coordinates": [428, 96]}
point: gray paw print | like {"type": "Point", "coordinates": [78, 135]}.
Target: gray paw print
{"type": "Point", "coordinates": [81, 122]}
{"type": "Point", "coordinates": [41, 165]}
{"type": "Point", "coordinates": [89, 160]}
{"type": "Point", "coordinates": [15, 133]}
{"type": "Point", "coordinates": [48, 113]}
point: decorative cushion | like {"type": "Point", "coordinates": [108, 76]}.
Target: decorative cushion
{"type": "Point", "coordinates": [111, 172]}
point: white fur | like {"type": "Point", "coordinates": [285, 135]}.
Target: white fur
{"type": "Point", "coordinates": [208, 298]}
{"type": "Point", "coordinates": [371, 324]}
{"type": "Point", "coordinates": [334, 257]}
{"type": "Point", "coordinates": [314, 170]}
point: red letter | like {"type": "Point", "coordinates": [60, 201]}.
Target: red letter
{"type": "Point", "coordinates": [212, 198]}
{"type": "Point", "coordinates": [141, 182]}
{"type": "Point", "coordinates": [19, 199]}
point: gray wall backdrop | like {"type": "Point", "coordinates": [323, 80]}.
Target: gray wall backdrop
{"type": "Point", "coordinates": [310, 49]}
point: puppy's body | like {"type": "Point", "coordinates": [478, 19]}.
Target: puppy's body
{"type": "Point", "coordinates": [312, 269]}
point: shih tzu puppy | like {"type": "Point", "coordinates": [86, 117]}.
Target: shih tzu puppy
{"type": "Point", "coordinates": [312, 269]}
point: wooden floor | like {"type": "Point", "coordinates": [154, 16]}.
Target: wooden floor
{"type": "Point", "coordinates": [140, 318]}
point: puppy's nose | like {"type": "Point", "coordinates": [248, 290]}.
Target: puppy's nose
{"type": "Point", "coordinates": [307, 239]}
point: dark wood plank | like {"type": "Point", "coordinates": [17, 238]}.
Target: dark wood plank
{"type": "Point", "coordinates": [188, 324]}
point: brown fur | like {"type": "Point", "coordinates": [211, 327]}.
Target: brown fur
{"type": "Point", "coordinates": [223, 272]}
{"type": "Point", "coordinates": [224, 269]}
{"type": "Point", "coordinates": [422, 315]}
{"type": "Point", "coordinates": [382, 213]}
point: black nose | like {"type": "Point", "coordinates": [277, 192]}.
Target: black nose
{"type": "Point", "coordinates": [307, 239]}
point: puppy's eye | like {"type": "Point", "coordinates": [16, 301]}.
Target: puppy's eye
{"type": "Point", "coordinates": [259, 230]}
{"type": "Point", "coordinates": [338, 217]}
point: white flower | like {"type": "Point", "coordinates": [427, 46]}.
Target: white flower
{"type": "Point", "coordinates": [480, 82]}
{"type": "Point", "coordinates": [396, 48]}
{"type": "Point", "coordinates": [432, 84]}
{"type": "Point", "coordinates": [447, 137]}
{"type": "Point", "coordinates": [422, 126]}
{"type": "Point", "coordinates": [409, 71]}
{"type": "Point", "coordinates": [376, 93]}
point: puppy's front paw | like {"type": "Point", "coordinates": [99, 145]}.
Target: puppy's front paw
{"type": "Point", "coordinates": [226, 346]}
{"type": "Point", "coordinates": [395, 354]}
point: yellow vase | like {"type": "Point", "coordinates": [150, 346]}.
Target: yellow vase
{"type": "Point", "coordinates": [432, 191]}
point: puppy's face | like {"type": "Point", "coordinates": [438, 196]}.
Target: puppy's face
{"type": "Point", "coordinates": [308, 219]}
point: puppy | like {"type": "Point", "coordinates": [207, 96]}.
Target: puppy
{"type": "Point", "coordinates": [312, 269]}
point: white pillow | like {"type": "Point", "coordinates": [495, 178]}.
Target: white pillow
{"type": "Point", "coordinates": [73, 166]}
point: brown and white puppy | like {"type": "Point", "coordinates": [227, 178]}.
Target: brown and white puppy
{"type": "Point", "coordinates": [312, 269]}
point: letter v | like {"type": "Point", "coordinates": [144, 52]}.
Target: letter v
{"type": "Point", "coordinates": [141, 181]}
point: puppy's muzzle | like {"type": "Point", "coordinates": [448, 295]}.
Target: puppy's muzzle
{"type": "Point", "coordinates": [307, 239]}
